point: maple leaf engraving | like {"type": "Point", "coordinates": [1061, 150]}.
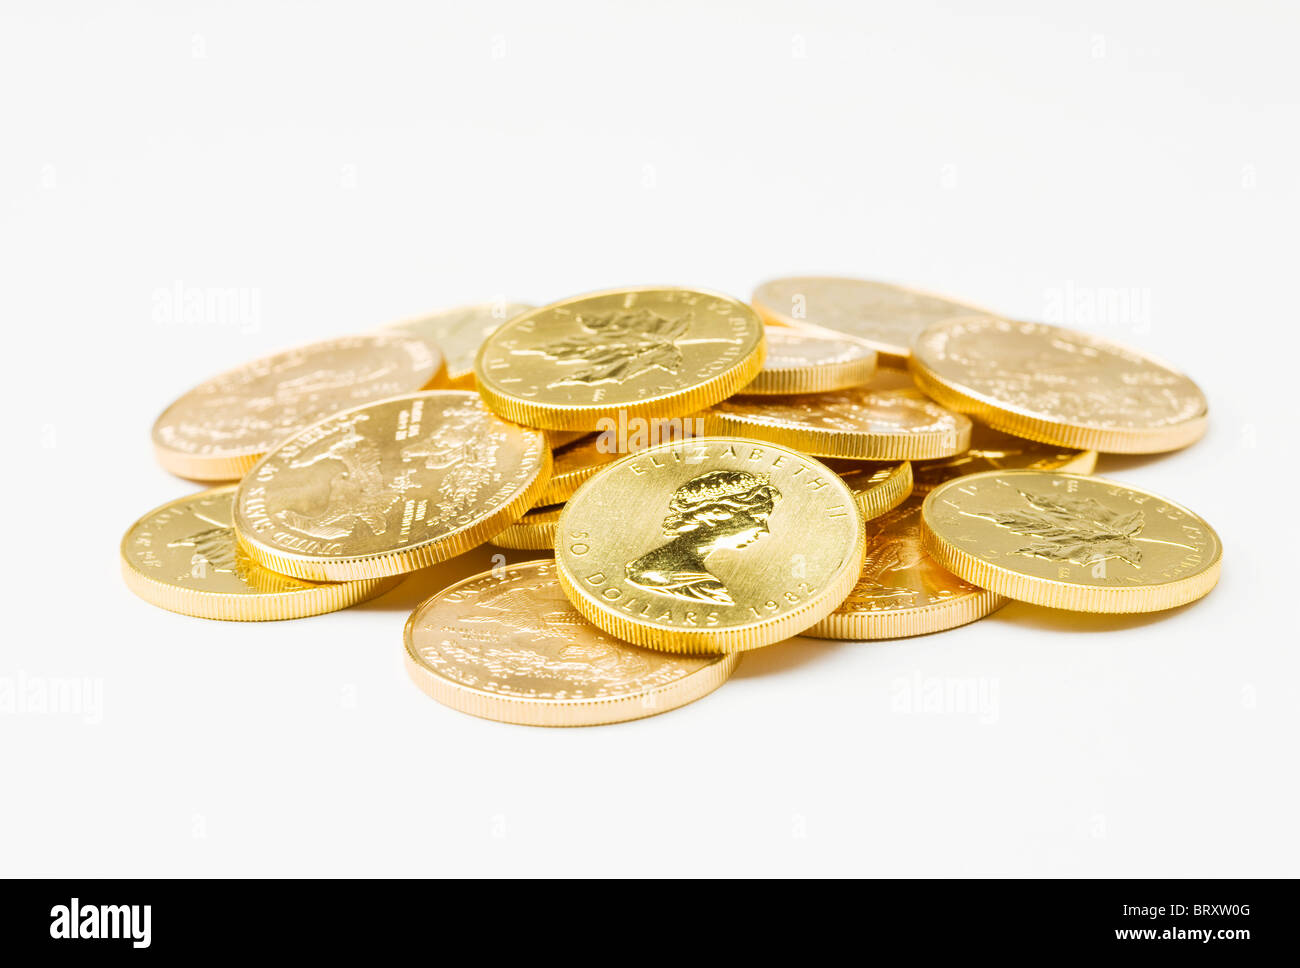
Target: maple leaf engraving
{"type": "Point", "coordinates": [1080, 530]}
{"type": "Point", "coordinates": [617, 346]}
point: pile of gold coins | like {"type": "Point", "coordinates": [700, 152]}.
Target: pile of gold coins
{"type": "Point", "coordinates": [700, 477]}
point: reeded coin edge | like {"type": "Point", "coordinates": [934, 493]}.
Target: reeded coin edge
{"type": "Point", "coordinates": [887, 495]}
{"type": "Point", "coordinates": [1085, 462]}
{"type": "Point", "coordinates": [861, 626]}
{"type": "Point", "coordinates": [1052, 593]}
{"type": "Point", "coordinates": [526, 535]}
{"type": "Point", "coordinates": [558, 712]}
{"type": "Point", "coordinates": [256, 607]}
{"type": "Point", "coordinates": [815, 378]}
{"type": "Point", "coordinates": [853, 445]}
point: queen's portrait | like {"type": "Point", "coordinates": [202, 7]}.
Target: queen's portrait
{"type": "Point", "coordinates": [717, 510]}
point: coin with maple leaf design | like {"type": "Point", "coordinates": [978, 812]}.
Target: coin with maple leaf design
{"type": "Point", "coordinates": [183, 557]}
{"type": "Point", "coordinates": [535, 531]}
{"type": "Point", "coordinates": [715, 544]}
{"type": "Point", "coordinates": [507, 645]}
{"type": "Point", "coordinates": [221, 428]}
{"type": "Point", "coordinates": [1070, 541]}
{"type": "Point", "coordinates": [389, 488]}
{"type": "Point", "coordinates": [1058, 386]}
{"type": "Point", "coordinates": [861, 424]}
{"type": "Point", "coordinates": [458, 333]}
{"type": "Point", "coordinates": [802, 361]}
{"type": "Point", "coordinates": [886, 316]}
{"type": "Point", "coordinates": [626, 353]}
{"type": "Point", "coordinates": [903, 591]}
{"type": "Point", "coordinates": [993, 450]}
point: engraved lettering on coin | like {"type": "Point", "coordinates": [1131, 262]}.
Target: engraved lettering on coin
{"type": "Point", "coordinates": [721, 509]}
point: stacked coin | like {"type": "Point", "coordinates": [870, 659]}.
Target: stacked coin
{"type": "Point", "coordinates": [710, 477]}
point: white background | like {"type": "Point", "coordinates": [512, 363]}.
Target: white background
{"type": "Point", "coordinates": [347, 165]}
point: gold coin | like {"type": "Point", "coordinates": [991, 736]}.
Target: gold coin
{"type": "Point", "coordinates": [573, 464]}
{"type": "Point", "coordinates": [888, 317]}
{"type": "Point", "coordinates": [861, 424]}
{"type": "Point", "coordinates": [639, 353]}
{"type": "Point", "coordinates": [390, 487]}
{"type": "Point", "coordinates": [459, 332]}
{"type": "Point", "coordinates": [507, 645]}
{"type": "Point", "coordinates": [1070, 541]}
{"type": "Point", "coordinates": [709, 545]}
{"type": "Point", "coordinates": [221, 428]}
{"type": "Point", "coordinates": [993, 450]}
{"type": "Point", "coordinates": [902, 590]}
{"type": "Point", "coordinates": [803, 361]}
{"type": "Point", "coordinates": [535, 531]}
{"type": "Point", "coordinates": [876, 487]}
{"type": "Point", "coordinates": [562, 438]}
{"type": "Point", "coordinates": [183, 557]}
{"type": "Point", "coordinates": [1058, 386]}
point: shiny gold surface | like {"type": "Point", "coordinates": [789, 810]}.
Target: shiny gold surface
{"type": "Point", "coordinates": [801, 361]}
{"type": "Point", "coordinates": [888, 317]}
{"type": "Point", "coordinates": [1070, 541]}
{"type": "Point", "coordinates": [646, 352]}
{"type": "Point", "coordinates": [459, 332]}
{"type": "Point", "coordinates": [389, 488]}
{"type": "Point", "coordinates": [1058, 386]}
{"type": "Point", "coordinates": [183, 557]}
{"type": "Point", "coordinates": [507, 645]}
{"type": "Point", "coordinates": [572, 464]}
{"type": "Point", "coordinates": [861, 423]}
{"type": "Point", "coordinates": [902, 590]}
{"type": "Point", "coordinates": [708, 545]}
{"type": "Point", "coordinates": [222, 427]}
{"type": "Point", "coordinates": [877, 487]}
{"type": "Point", "coordinates": [535, 531]}
{"type": "Point", "coordinates": [993, 450]}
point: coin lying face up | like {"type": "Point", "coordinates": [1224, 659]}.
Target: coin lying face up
{"type": "Point", "coordinates": [458, 333]}
{"type": "Point", "coordinates": [507, 645]}
{"type": "Point", "coordinates": [1069, 541]}
{"type": "Point", "coordinates": [183, 556]}
{"type": "Point", "coordinates": [885, 316]}
{"type": "Point", "coordinates": [1058, 386]}
{"type": "Point", "coordinates": [861, 424]}
{"type": "Point", "coordinates": [389, 488]}
{"type": "Point", "coordinates": [803, 361]}
{"type": "Point", "coordinates": [903, 591]}
{"type": "Point", "coordinates": [709, 545]}
{"type": "Point", "coordinates": [643, 353]}
{"type": "Point", "coordinates": [221, 428]}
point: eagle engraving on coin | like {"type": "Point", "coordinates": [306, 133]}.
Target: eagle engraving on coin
{"type": "Point", "coordinates": [717, 510]}
{"type": "Point", "coordinates": [616, 346]}
{"type": "Point", "coordinates": [358, 492]}
{"type": "Point", "coordinates": [217, 551]}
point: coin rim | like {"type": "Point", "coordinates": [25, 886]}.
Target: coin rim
{"type": "Point", "coordinates": [939, 616]}
{"type": "Point", "coordinates": [1059, 432]}
{"type": "Point", "coordinates": [526, 535]}
{"type": "Point", "coordinates": [396, 561]}
{"type": "Point", "coordinates": [1084, 463]}
{"type": "Point", "coordinates": [888, 494]}
{"type": "Point", "coordinates": [736, 638]}
{"type": "Point", "coordinates": [1054, 593]}
{"type": "Point", "coordinates": [815, 377]}
{"type": "Point", "coordinates": [676, 403]}
{"type": "Point", "coordinates": [522, 711]}
{"type": "Point", "coordinates": [253, 606]}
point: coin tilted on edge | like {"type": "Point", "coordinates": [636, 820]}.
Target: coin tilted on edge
{"type": "Point", "coordinates": [876, 487]}
{"type": "Point", "coordinates": [1070, 541]}
{"type": "Point", "coordinates": [887, 316]}
{"type": "Point", "coordinates": [389, 488]}
{"type": "Point", "coordinates": [993, 450]}
{"type": "Point", "coordinates": [1058, 386]}
{"type": "Point", "coordinates": [221, 428]}
{"type": "Point", "coordinates": [646, 352]}
{"type": "Point", "coordinates": [507, 645]}
{"type": "Point", "coordinates": [535, 531]}
{"type": "Point", "coordinates": [803, 361]}
{"type": "Point", "coordinates": [459, 332]}
{"type": "Point", "coordinates": [709, 545]}
{"type": "Point", "coordinates": [183, 557]}
{"type": "Point", "coordinates": [862, 424]}
{"type": "Point", "coordinates": [903, 591]}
